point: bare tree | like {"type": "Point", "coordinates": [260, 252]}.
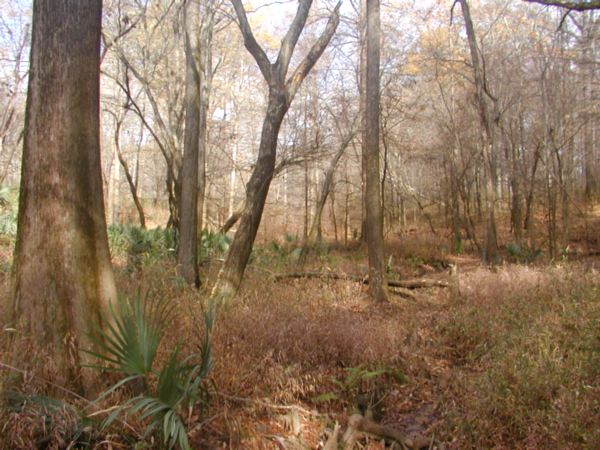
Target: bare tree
{"type": "Point", "coordinates": [314, 235]}
{"type": "Point", "coordinates": [62, 272]}
{"type": "Point", "coordinates": [128, 175]}
{"type": "Point", "coordinates": [15, 40]}
{"type": "Point", "coordinates": [490, 247]}
{"type": "Point", "coordinates": [282, 91]}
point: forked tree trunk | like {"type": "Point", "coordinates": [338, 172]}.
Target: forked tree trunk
{"type": "Point", "coordinates": [62, 273]}
{"type": "Point", "coordinates": [375, 244]}
{"type": "Point", "coordinates": [281, 94]}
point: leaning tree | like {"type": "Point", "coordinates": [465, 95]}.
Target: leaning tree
{"type": "Point", "coordinates": [62, 273]}
{"type": "Point", "coordinates": [282, 90]}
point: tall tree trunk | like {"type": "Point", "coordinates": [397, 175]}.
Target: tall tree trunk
{"type": "Point", "coordinates": [206, 76]}
{"type": "Point", "coordinates": [282, 91]}
{"type": "Point", "coordinates": [377, 280]}
{"type": "Point", "coordinates": [454, 202]}
{"type": "Point", "coordinates": [516, 210]}
{"type": "Point", "coordinates": [232, 175]}
{"type": "Point", "coordinates": [527, 222]}
{"type": "Point", "coordinates": [590, 151]}
{"type": "Point", "coordinates": [198, 40]}
{"type": "Point", "coordinates": [306, 200]}
{"type": "Point", "coordinates": [362, 90]}
{"type": "Point", "coordinates": [257, 189]}
{"type": "Point", "coordinates": [346, 203]}
{"type": "Point", "coordinates": [62, 273]}
{"type": "Point", "coordinates": [489, 183]}
{"type": "Point", "coordinates": [187, 253]}
{"type": "Point", "coordinates": [332, 211]}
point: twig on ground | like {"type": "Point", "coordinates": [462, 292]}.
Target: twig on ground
{"type": "Point", "coordinates": [267, 404]}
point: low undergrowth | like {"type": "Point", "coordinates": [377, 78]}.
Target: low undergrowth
{"type": "Point", "coordinates": [511, 361]}
{"type": "Point", "coordinates": [527, 345]}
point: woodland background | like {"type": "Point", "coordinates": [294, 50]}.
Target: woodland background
{"type": "Point", "coordinates": [493, 338]}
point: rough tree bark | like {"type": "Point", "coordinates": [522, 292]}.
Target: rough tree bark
{"type": "Point", "coordinates": [374, 223]}
{"type": "Point", "coordinates": [281, 93]}
{"type": "Point", "coordinates": [187, 253]}
{"type": "Point", "coordinates": [62, 273]}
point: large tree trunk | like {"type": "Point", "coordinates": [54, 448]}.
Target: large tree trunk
{"type": "Point", "coordinates": [256, 196]}
{"type": "Point", "coordinates": [62, 273]}
{"type": "Point", "coordinates": [374, 228]}
{"type": "Point", "coordinates": [282, 91]}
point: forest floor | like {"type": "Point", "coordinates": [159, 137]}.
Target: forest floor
{"type": "Point", "coordinates": [508, 357]}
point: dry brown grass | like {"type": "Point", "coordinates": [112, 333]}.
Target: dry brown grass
{"type": "Point", "coordinates": [513, 362]}
{"type": "Point", "coordinates": [526, 342]}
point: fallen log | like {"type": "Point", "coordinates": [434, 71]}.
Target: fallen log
{"type": "Point", "coordinates": [358, 424]}
{"type": "Point", "coordinates": [416, 283]}
{"type": "Point", "coordinates": [402, 292]}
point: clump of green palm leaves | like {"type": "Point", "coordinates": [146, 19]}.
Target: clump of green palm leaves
{"type": "Point", "coordinates": [8, 211]}
{"type": "Point", "coordinates": [129, 345]}
{"type": "Point", "coordinates": [141, 245]}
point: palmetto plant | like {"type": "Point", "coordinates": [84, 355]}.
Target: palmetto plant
{"type": "Point", "coordinates": [8, 211]}
{"type": "Point", "coordinates": [129, 345]}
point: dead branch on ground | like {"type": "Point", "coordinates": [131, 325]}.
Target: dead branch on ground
{"type": "Point", "coordinates": [358, 424]}
{"type": "Point", "coordinates": [416, 283]}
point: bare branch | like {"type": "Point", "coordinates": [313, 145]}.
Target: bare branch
{"type": "Point", "coordinates": [250, 41]}
{"type": "Point", "coordinates": [291, 38]}
{"type": "Point", "coordinates": [313, 55]}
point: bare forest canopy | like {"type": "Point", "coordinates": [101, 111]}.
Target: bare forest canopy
{"type": "Point", "coordinates": [540, 78]}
